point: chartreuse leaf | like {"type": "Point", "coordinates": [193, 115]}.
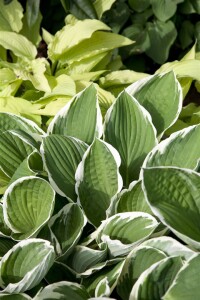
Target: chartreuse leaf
{"type": "Point", "coordinates": [156, 280]}
{"type": "Point", "coordinates": [163, 9]}
{"type": "Point", "coordinates": [71, 35]}
{"type": "Point", "coordinates": [98, 176]}
{"type": "Point", "coordinates": [128, 122]}
{"type": "Point", "coordinates": [173, 196]}
{"type": "Point", "coordinates": [186, 284]}
{"type": "Point", "coordinates": [16, 296]}
{"type": "Point", "coordinates": [63, 290]}
{"type": "Point", "coordinates": [67, 226]}
{"type": "Point", "coordinates": [61, 156]}
{"type": "Point", "coordinates": [80, 118]}
{"type": "Point", "coordinates": [18, 44]}
{"type": "Point", "coordinates": [11, 16]}
{"type": "Point", "coordinates": [161, 95]}
{"type": "Point", "coordinates": [28, 204]}
{"type": "Point", "coordinates": [37, 256]}
{"type": "Point", "coordinates": [139, 260]}
{"type": "Point", "coordinates": [168, 153]}
{"type": "Point", "coordinates": [102, 5]}
{"type": "Point", "coordinates": [123, 231]}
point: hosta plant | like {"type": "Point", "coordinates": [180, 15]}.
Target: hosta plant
{"type": "Point", "coordinates": [99, 207]}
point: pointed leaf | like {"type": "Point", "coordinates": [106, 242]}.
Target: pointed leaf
{"type": "Point", "coordinates": [123, 231]}
{"type": "Point", "coordinates": [173, 196]}
{"type": "Point", "coordinates": [163, 9]}
{"type": "Point", "coordinates": [61, 156]}
{"type": "Point", "coordinates": [37, 256]}
{"type": "Point", "coordinates": [28, 204]}
{"type": "Point", "coordinates": [128, 128]}
{"type": "Point", "coordinates": [102, 5]}
{"type": "Point", "coordinates": [80, 118]}
{"type": "Point", "coordinates": [161, 95]}
{"type": "Point", "coordinates": [98, 176]}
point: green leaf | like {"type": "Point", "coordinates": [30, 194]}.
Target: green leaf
{"type": "Point", "coordinates": [156, 280]}
{"type": "Point", "coordinates": [102, 288]}
{"type": "Point", "coordinates": [162, 36]}
{"type": "Point", "coordinates": [98, 176]}
{"type": "Point", "coordinates": [4, 229]}
{"type": "Point", "coordinates": [80, 118]}
{"type": "Point", "coordinates": [37, 256]}
{"type": "Point", "coordinates": [61, 156]}
{"type": "Point", "coordinates": [102, 5]}
{"type": "Point", "coordinates": [124, 231]}
{"type": "Point", "coordinates": [67, 226]}
{"type": "Point", "coordinates": [139, 260]}
{"type": "Point", "coordinates": [71, 35]}
{"type": "Point", "coordinates": [173, 150]}
{"type": "Point", "coordinates": [5, 245]}
{"type": "Point", "coordinates": [173, 196]}
{"type": "Point", "coordinates": [161, 95]}
{"type": "Point", "coordinates": [63, 290]}
{"type": "Point", "coordinates": [186, 284]}
{"type": "Point", "coordinates": [18, 44]}
{"type": "Point", "coordinates": [11, 16]}
{"type": "Point", "coordinates": [17, 296]}
{"type": "Point", "coordinates": [163, 9]}
{"type": "Point", "coordinates": [28, 204]}
{"type": "Point", "coordinates": [128, 122]}
{"type": "Point", "coordinates": [139, 6]}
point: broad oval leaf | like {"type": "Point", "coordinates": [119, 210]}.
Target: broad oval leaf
{"type": "Point", "coordinates": [67, 226]}
{"type": "Point", "coordinates": [61, 156]}
{"type": "Point", "coordinates": [80, 118]}
{"type": "Point", "coordinates": [156, 280]}
{"type": "Point", "coordinates": [123, 231]}
{"type": "Point", "coordinates": [173, 195]}
{"type": "Point", "coordinates": [98, 180]}
{"type": "Point", "coordinates": [161, 95]}
{"type": "Point", "coordinates": [164, 9]}
{"type": "Point", "coordinates": [28, 204]}
{"type": "Point", "coordinates": [11, 16]}
{"type": "Point", "coordinates": [186, 284]}
{"type": "Point", "coordinates": [128, 128]}
{"type": "Point", "coordinates": [63, 290]}
{"type": "Point", "coordinates": [37, 256]}
{"type": "Point", "coordinates": [174, 150]}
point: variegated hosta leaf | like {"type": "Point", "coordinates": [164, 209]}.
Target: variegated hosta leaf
{"type": "Point", "coordinates": [173, 195]}
{"type": "Point", "coordinates": [25, 265]}
{"type": "Point", "coordinates": [28, 204]}
{"type": "Point", "coordinates": [63, 290]}
{"type": "Point", "coordinates": [4, 229]}
{"type": "Point", "coordinates": [59, 272]}
{"type": "Point", "coordinates": [177, 150]}
{"type": "Point", "coordinates": [128, 128]}
{"type": "Point", "coordinates": [5, 245]}
{"type": "Point", "coordinates": [83, 258]}
{"type": "Point", "coordinates": [67, 226]}
{"type": "Point", "coordinates": [98, 180]}
{"type": "Point", "coordinates": [102, 288]}
{"type": "Point", "coordinates": [186, 284]}
{"type": "Point", "coordinates": [161, 95]}
{"type": "Point", "coordinates": [128, 200]}
{"type": "Point", "coordinates": [80, 118]}
{"type": "Point", "coordinates": [123, 231]}
{"type": "Point", "coordinates": [139, 260]}
{"type": "Point", "coordinates": [61, 156]}
{"type": "Point", "coordinates": [155, 281]}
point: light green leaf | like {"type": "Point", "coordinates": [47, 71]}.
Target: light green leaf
{"type": "Point", "coordinates": [71, 35]}
{"type": "Point", "coordinates": [61, 156]}
{"type": "Point", "coordinates": [173, 196]}
{"type": "Point", "coordinates": [67, 226]}
{"type": "Point", "coordinates": [6, 76]}
{"type": "Point", "coordinates": [80, 118]}
{"type": "Point", "coordinates": [156, 280]}
{"type": "Point", "coordinates": [11, 16]}
{"type": "Point", "coordinates": [28, 204]}
{"type": "Point", "coordinates": [186, 284]}
{"type": "Point", "coordinates": [124, 231]}
{"type": "Point", "coordinates": [173, 150]}
{"type": "Point", "coordinates": [37, 256]}
{"type": "Point", "coordinates": [63, 290]}
{"type": "Point", "coordinates": [128, 122]}
{"type": "Point", "coordinates": [161, 95]}
{"type": "Point", "coordinates": [18, 44]}
{"type": "Point", "coordinates": [163, 9]}
{"type": "Point", "coordinates": [102, 5]}
{"type": "Point", "coordinates": [139, 260]}
{"type": "Point", "coordinates": [98, 176]}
